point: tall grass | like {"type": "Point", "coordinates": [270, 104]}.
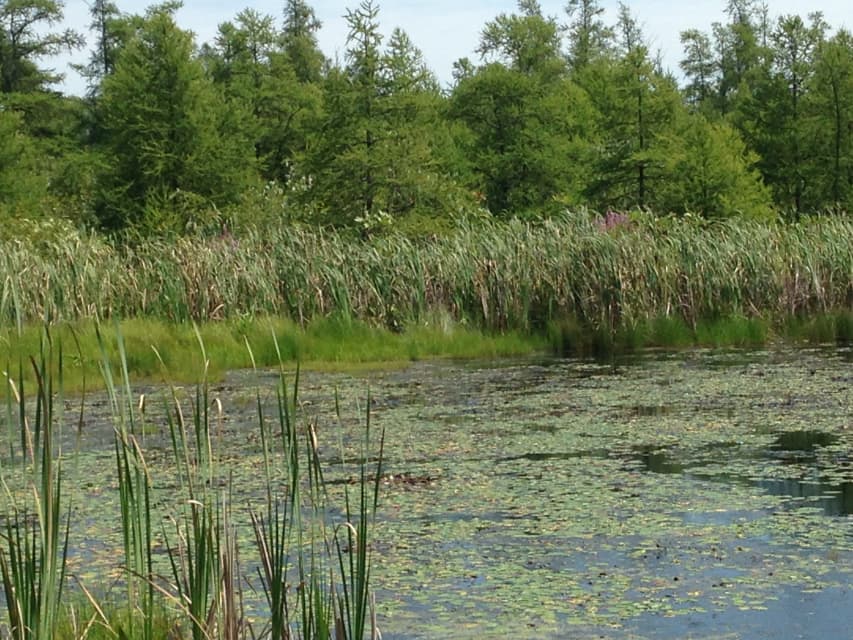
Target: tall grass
{"type": "Point", "coordinates": [494, 276]}
{"type": "Point", "coordinates": [315, 579]}
{"type": "Point", "coordinates": [34, 537]}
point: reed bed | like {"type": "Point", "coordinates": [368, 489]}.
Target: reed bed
{"type": "Point", "coordinates": [495, 276]}
{"type": "Point", "coordinates": [312, 554]}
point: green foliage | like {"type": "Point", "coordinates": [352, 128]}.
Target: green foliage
{"type": "Point", "coordinates": [25, 40]}
{"type": "Point", "coordinates": [168, 162]}
{"type": "Point", "coordinates": [589, 38]}
{"type": "Point", "coordinates": [259, 126]}
{"type": "Point", "coordinates": [112, 30]}
{"type": "Point", "coordinates": [637, 104]}
{"type": "Point", "coordinates": [830, 115]}
{"type": "Point", "coordinates": [528, 140]}
{"type": "Point", "coordinates": [382, 152]}
{"type": "Point", "coordinates": [706, 169]}
{"type": "Point", "coordinates": [526, 42]}
{"type": "Point", "coordinates": [299, 41]}
{"type": "Point", "coordinates": [20, 185]}
{"type": "Point", "coordinates": [530, 130]}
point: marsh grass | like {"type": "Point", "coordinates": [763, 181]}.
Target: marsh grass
{"type": "Point", "coordinates": [313, 557]}
{"type": "Point", "coordinates": [326, 344]}
{"type": "Point", "coordinates": [495, 277]}
{"type": "Point", "coordinates": [34, 537]}
{"type": "Point", "coordinates": [333, 298]}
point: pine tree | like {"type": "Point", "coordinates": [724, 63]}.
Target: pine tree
{"type": "Point", "coordinates": [299, 41]}
{"type": "Point", "coordinates": [706, 169]}
{"type": "Point", "coordinates": [589, 38]}
{"type": "Point", "coordinates": [530, 128]}
{"type": "Point", "coordinates": [830, 121]}
{"type": "Point", "coordinates": [637, 103]}
{"type": "Point", "coordinates": [169, 160]}
{"type": "Point", "coordinates": [26, 38]}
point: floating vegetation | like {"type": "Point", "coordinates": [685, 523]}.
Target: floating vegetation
{"type": "Point", "coordinates": [705, 493]}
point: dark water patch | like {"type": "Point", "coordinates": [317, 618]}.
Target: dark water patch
{"type": "Point", "coordinates": [553, 455]}
{"type": "Point", "coordinates": [803, 442]}
{"type": "Point", "coordinates": [832, 499]}
{"type": "Point", "coordinates": [657, 461]}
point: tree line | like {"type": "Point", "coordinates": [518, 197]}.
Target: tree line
{"type": "Point", "coordinates": [555, 113]}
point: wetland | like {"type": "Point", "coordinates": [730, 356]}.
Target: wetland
{"type": "Point", "coordinates": [703, 494]}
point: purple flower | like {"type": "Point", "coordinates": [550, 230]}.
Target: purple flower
{"type": "Point", "coordinates": [612, 220]}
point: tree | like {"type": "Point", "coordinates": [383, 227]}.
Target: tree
{"type": "Point", "coordinates": [530, 142]}
{"type": "Point", "coordinates": [637, 103]}
{"type": "Point", "coordinates": [380, 153]}
{"type": "Point", "coordinates": [741, 50]}
{"type": "Point", "coordinates": [173, 148]}
{"type": "Point", "coordinates": [589, 37]}
{"type": "Point", "coordinates": [26, 38]}
{"type": "Point", "coordinates": [299, 41]}
{"type": "Point", "coordinates": [530, 128]}
{"type": "Point", "coordinates": [700, 68]}
{"type": "Point", "coordinates": [21, 186]}
{"type": "Point", "coordinates": [707, 170]}
{"type": "Point", "coordinates": [112, 29]}
{"type": "Point", "coordinates": [830, 115]}
{"type": "Point", "coordinates": [527, 42]}
{"type": "Point", "coordinates": [774, 115]}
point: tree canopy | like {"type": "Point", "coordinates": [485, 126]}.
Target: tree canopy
{"type": "Point", "coordinates": [553, 112]}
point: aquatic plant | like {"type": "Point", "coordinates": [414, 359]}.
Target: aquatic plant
{"type": "Point", "coordinates": [34, 536]}
{"type": "Point", "coordinates": [315, 585]}
{"type": "Point", "coordinates": [494, 276]}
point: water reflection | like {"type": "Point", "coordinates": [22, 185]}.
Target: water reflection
{"type": "Point", "coordinates": [803, 441]}
{"type": "Point", "coordinates": [834, 499]}
{"type": "Point", "coordinates": [793, 447]}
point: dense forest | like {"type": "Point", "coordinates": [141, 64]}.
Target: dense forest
{"type": "Point", "coordinates": [556, 113]}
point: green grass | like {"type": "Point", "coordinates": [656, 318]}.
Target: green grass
{"type": "Point", "coordinates": [341, 344]}
{"type": "Point", "coordinates": [326, 344]}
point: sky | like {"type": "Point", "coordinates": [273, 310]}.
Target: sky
{"type": "Point", "coordinates": [446, 30]}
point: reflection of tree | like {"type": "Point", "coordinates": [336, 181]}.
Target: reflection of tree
{"type": "Point", "coordinates": [834, 499]}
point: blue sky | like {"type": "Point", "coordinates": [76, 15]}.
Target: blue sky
{"type": "Point", "coordinates": [446, 30]}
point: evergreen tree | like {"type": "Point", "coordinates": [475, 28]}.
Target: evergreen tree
{"type": "Point", "coordinates": [774, 117]}
{"type": "Point", "coordinates": [172, 152]}
{"type": "Point", "coordinates": [380, 155]}
{"type": "Point", "coordinates": [701, 70]}
{"type": "Point", "coordinates": [637, 103]}
{"type": "Point", "coordinates": [299, 41]}
{"type": "Point", "coordinates": [527, 42]}
{"type": "Point", "coordinates": [589, 37]}
{"type": "Point", "coordinates": [530, 127]}
{"type": "Point", "coordinates": [707, 170]}
{"type": "Point", "coordinates": [112, 29]}
{"type": "Point", "coordinates": [739, 50]}
{"type": "Point", "coordinates": [21, 184]}
{"type": "Point", "coordinates": [830, 121]}
{"type": "Point", "coordinates": [26, 38]}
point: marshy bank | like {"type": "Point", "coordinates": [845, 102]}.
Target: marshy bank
{"type": "Point", "coordinates": [579, 284]}
{"type": "Point", "coordinates": [493, 277]}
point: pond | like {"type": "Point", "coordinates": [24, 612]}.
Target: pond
{"type": "Point", "coordinates": [695, 495]}
{"type": "Point", "coordinates": [705, 494]}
